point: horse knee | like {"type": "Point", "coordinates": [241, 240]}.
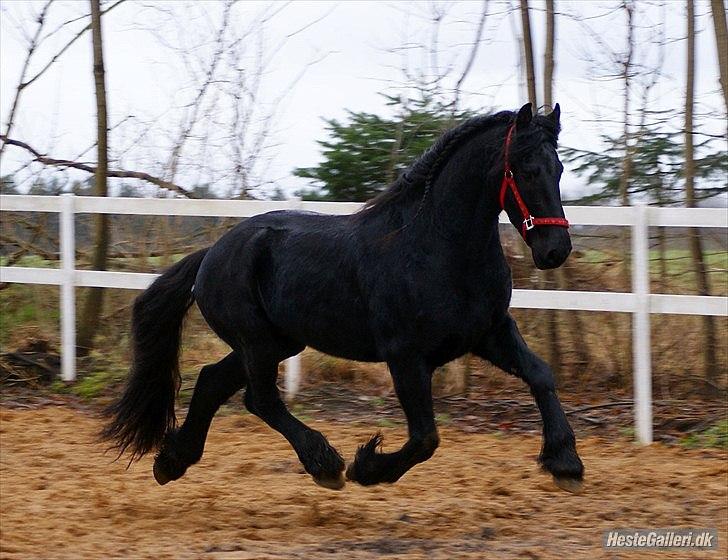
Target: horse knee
{"type": "Point", "coordinates": [264, 406]}
{"type": "Point", "coordinates": [540, 379]}
{"type": "Point", "coordinates": [543, 384]}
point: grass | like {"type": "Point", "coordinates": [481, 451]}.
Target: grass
{"type": "Point", "coordinates": [91, 386]}
{"type": "Point", "coordinates": [300, 412]}
{"type": "Point", "coordinates": [25, 307]}
{"type": "Point", "coordinates": [627, 432]}
{"type": "Point", "coordinates": [678, 266]}
{"type": "Point", "coordinates": [716, 437]}
{"type": "Point", "coordinates": [33, 261]}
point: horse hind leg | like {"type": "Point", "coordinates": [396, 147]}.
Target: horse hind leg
{"type": "Point", "coordinates": [183, 447]}
{"type": "Point", "coordinates": [321, 460]}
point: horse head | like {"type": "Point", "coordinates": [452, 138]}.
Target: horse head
{"type": "Point", "coordinates": [530, 186]}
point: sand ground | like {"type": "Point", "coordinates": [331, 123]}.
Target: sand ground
{"type": "Point", "coordinates": [481, 496]}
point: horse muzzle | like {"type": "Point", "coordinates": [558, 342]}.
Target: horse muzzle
{"type": "Point", "coordinates": [550, 247]}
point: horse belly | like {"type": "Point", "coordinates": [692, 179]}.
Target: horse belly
{"type": "Point", "coordinates": [336, 334]}
{"type": "Point", "coordinates": [326, 314]}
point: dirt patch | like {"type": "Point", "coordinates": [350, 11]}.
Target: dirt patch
{"type": "Point", "coordinates": [482, 495]}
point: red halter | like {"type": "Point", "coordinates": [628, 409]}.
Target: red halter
{"type": "Point", "coordinates": [529, 222]}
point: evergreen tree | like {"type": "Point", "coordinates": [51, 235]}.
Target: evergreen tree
{"type": "Point", "coordinates": [367, 151]}
{"type": "Point", "coordinates": [657, 169]}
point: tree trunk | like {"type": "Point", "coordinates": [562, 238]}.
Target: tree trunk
{"type": "Point", "coordinates": [552, 316]}
{"type": "Point", "coordinates": [93, 305]}
{"type": "Point", "coordinates": [549, 63]}
{"type": "Point", "coordinates": [580, 344]}
{"type": "Point", "coordinates": [721, 40]}
{"type": "Point", "coordinates": [696, 248]}
{"type": "Point", "coordinates": [528, 54]}
{"type": "Point", "coordinates": [626, 173]}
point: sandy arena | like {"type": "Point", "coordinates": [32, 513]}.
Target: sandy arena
{"type": "Point", "coordinates": [481, 496]}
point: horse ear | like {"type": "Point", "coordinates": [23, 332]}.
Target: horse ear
{"type": "Point", "coordinates": [524, 116]}
{"type": "Point", "coordinates": [555, 115]}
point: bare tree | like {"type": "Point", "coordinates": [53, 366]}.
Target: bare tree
{"type": "Point", "coordinates": [549, 61]}
{"type": "Point", "coordinates": [696, 246]}
{"type": "Point", "coordinates": [721, 41]}
{"type": "Point", "coordinates": [471, 57]}
{"type": "Point", "coordinates": [624, 179]}
{"type": "Point", "coordinates": [33, 43]}
{"type": "Point", "coordinates": [93, 305]}
{"type": "Point", "coordinates": [551, 278]}
{"type": "Point", "coordinates": [528, 54]}
{"type": "Point", "coordinates": [22, 84]}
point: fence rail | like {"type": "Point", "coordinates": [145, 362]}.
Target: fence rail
{"type": "Point", "coordinates": [640, 303]}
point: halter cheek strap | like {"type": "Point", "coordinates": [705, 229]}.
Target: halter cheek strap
{"type": "Point", "coordinates": [509, 182]}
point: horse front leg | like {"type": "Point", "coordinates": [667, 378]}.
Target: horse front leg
{"type": "Point", "coordinates": [413, 384]}
{"type": "Point", "coordinates": [505, 348]}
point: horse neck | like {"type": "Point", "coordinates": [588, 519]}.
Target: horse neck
{"type": "Point", "coordinates": [458, 214]}
{"type": "Point", "coordinates": [464, 207]}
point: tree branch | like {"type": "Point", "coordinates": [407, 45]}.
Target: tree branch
{"type": "Point", "coordinates": [78, 35]}
{"type": "Point", "coordinates": [118, 173]}
{"type": "Point", "coordinates": [21, 85]}
{"type": "Point", "coordinates": [471, 58]}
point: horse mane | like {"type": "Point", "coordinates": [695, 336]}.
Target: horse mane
{"type": "Point", "coordinates": [421, 174]}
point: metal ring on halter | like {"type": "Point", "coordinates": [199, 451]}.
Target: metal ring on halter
{"type": "Point", "coordinates": [528, 222]}
{"type": "Point", "coordinates": [508, 174]}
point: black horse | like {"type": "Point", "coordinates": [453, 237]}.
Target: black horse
{"type": "Point", "coordinates": [416, 279]}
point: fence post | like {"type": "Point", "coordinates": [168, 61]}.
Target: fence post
{"type": "Point", "coordinates": [292, 375]}
{"type": "Point", "coordinates": [68, 296]}
{"type": "Point", "coordinates": [641, 344]}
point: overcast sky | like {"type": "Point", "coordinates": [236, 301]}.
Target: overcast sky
{"type": "Point", "coordinates": [353, 52]}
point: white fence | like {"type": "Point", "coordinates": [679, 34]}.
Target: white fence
{"type": "Point", "coordinates": [639, 302]}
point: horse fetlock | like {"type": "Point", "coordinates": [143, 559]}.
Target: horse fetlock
{"type": "Point", "coordinates": [371, 467]}
{"type": "Point", "coordinates": [323, 462]}
{"type": "Point", "coordinates": [167, 468]}
{"type": "Point", "coordinates": [172, 462]}
{"type": "Point", "coordinates": [565, 466]}
{"type": "Point", "coordinates": [427, 446]}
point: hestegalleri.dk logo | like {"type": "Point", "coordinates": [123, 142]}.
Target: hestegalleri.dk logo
{"type": "Point", "coordinates": [703, 539]}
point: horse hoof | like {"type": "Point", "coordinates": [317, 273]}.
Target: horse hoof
{"type": "Point", "coordinates": [569, 484]}
{"type": "Point", "coordinates": [159, 475]}
{"type": "Point", "coordinates": [332, 483]}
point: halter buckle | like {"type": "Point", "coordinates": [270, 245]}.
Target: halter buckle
{"type": "Point", "coordinates": [528, 222]}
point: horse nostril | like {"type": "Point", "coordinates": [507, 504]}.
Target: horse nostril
{"type": "Point", "coordinates": [553, 256]}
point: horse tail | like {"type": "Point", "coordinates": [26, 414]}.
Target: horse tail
{"type": "Point", "coordinates": [145, 411]}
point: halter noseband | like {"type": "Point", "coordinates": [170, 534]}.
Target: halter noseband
{"type": "Point", "coordinates": [529, 222]}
